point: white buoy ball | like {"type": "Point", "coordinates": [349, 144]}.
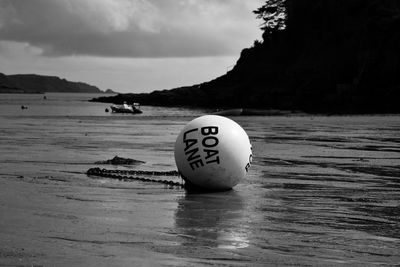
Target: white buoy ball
{"type": "Point", "coordinates": [213, 152]}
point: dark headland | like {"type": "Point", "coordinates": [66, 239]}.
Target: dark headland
{"type": "Point", "coordinates": [33, 83]}
{"type": "Point", "coordinates": [325, 56]}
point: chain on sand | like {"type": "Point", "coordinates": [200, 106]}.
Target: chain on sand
{"type": "Point", "coordinates": [132, 175]}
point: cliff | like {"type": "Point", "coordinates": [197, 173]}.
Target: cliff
{"type": "Point", "coordinates": [330, 56]}
{"type": "Point", "coordinates": [32, 83]}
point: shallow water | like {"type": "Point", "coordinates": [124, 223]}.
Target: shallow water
{"type": "Point", "coordinates": [321, 190]}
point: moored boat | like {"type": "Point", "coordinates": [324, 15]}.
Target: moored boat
{"type": "Point", "coordinates": [125, 108]}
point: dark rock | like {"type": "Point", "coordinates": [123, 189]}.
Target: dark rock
{"type": "Point", "coordinates": [120, 161]}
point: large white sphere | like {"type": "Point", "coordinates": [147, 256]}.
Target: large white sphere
{"type": "Point", "coordinates": [213, 152]}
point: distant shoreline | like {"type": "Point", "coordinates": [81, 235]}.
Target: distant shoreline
{"type": "Point", "coordinates": [144, 100]}
{"type": "Point", "coordinates": [39, 84]}
{"type": "Point", "coordinates": [42, 93]}
{"type": "Point", "coordinates": [23, 93]}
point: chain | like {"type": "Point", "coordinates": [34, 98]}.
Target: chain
{"type": "Point", "coordinates": [125, 175]}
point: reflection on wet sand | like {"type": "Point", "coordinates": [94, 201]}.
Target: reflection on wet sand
{"type": "Point", "coordinates": [212, 220]}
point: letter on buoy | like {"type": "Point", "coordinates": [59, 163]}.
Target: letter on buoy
{"type": "Point", "coordinates": [213, 152]}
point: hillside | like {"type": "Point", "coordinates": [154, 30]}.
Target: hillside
{"type": "Point", "coordinates": [329, 56]}
{"type": "Point", "coordinates": [32, 83]}
{"type": "Point", "coordinates": [7, 86]}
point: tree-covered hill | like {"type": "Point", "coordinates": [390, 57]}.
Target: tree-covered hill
{"type": "Point", "coordinates": [340, 56]}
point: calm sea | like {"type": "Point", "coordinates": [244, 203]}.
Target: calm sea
{"type": "Point", "coordinates": [322, 190]}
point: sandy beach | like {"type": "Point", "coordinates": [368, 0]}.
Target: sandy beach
{"type": "Point", "coordinates": [322, 190]}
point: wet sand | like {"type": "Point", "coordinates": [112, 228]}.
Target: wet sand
{"type": "Point", "coordinates": [321, 191]}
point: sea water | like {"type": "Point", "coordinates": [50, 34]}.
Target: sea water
{"type": "Point", "coordinates": [322, 190]}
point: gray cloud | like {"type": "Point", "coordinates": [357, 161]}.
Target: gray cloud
{"type": "Point", "coordinates": [131, 28]}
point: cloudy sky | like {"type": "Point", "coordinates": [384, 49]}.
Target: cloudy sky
{"type": "Point", "coordinates": [126, 45]}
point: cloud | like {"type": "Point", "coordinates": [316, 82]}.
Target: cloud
{"type": "Point", "coordinates": [131, 28]}
{"type": "Point", "coordinates": [121, 74]}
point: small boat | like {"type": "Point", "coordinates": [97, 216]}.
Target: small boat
{"type": "Point", "coordinates": [125, 108]}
